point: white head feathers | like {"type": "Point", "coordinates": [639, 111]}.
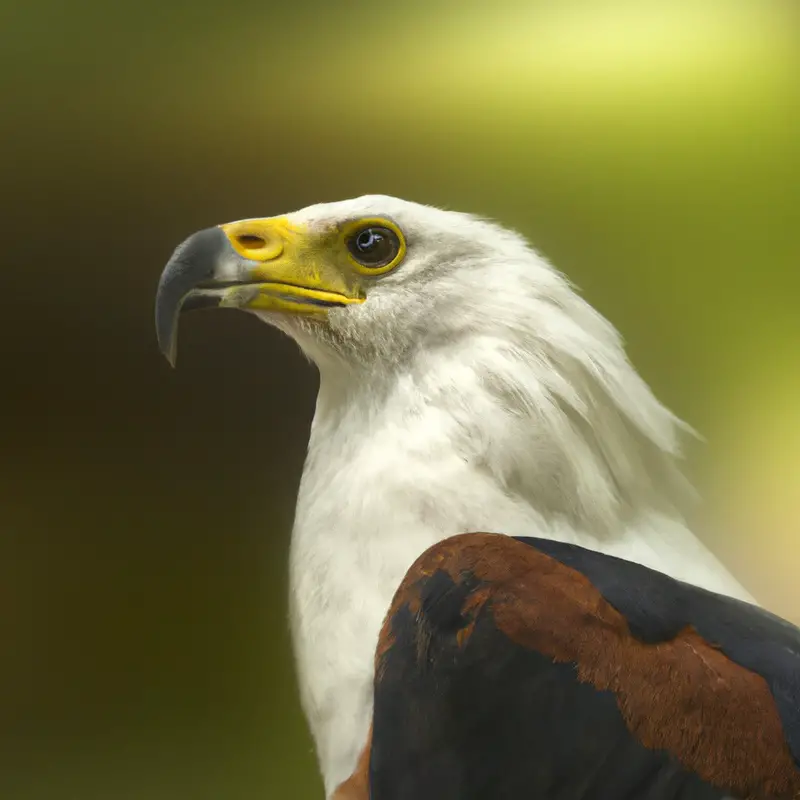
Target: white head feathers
{"type": "Point", "coordinates": [536, 379]}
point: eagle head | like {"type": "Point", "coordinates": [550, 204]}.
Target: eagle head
{"type": "Point", "coordinates": [367, 282]}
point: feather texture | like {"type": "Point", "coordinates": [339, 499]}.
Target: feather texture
{"type": "Point", "coordinates": [473, 390]}
{"type": "Point", "coordinates": [533, 668]}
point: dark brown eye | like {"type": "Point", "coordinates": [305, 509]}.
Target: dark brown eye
{"type": "Point", "coordinates": [374, 247]}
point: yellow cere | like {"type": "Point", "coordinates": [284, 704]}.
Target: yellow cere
{"type": "Point", "coordinates": [261, 239]}
{"type": "Point", "coordinates": [293, 270]}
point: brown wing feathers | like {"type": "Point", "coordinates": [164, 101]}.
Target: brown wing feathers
{"type": "Point", "coordinates": [715, 718]}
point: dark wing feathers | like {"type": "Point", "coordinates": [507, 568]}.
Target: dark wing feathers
{"type": "Point", "coordinates": [533, 669]}
{"type": "Point", "coordinates": [657, 607]}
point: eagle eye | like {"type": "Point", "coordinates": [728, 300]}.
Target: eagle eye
{"type": "Point", "coordinates": [375, 247]}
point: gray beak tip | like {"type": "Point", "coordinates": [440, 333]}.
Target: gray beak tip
{"type": "Point", "coordinates": [171, 356]}
{"type": "Point", "coordinates": [192, 263]}
{"type": "Point", "coordinates": [167, 336]}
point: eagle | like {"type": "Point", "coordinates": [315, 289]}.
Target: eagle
{"type": "Point", "coordinates": [494, 591]}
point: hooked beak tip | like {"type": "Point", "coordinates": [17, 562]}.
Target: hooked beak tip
{"type": "Point", "coordinates": [168, 347]}
{"type": "Point", "coordinates": [192, 263]}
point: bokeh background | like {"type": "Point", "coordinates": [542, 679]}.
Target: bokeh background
{"type": "Point", "coordinates": [650, 149]}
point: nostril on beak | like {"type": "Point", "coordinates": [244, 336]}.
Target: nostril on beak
{"type": "Point", "coordinates": [249, 241]}
{"type": "Point", "coordinates": [255, 240]}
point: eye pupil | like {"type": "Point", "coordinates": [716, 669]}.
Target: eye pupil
{"type": "Point", "coordinates": [374, 247]}
{"type": "Point", "coordinates": [368, 240]}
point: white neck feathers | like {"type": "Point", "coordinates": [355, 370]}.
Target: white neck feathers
{"type": "Point", "coordinates": [569, 444]}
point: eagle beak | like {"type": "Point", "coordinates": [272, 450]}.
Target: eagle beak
{"type": "Point", "coordinates": [258, 264]}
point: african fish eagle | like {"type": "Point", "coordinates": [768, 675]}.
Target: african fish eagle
{"type": "Point", "coordinates": [494, 593]}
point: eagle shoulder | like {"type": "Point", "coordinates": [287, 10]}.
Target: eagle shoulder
{"type": "Point", "coordinates": [510, 668]}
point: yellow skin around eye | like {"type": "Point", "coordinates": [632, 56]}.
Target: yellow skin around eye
{"type": "Point", "coordinates": [351, 228]}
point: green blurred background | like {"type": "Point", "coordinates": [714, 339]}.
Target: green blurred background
{"type": "Point", "coordinates": [650, 149]}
